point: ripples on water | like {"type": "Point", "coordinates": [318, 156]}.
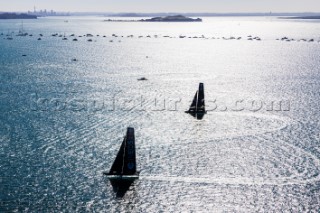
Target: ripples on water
{"type": "Point", "coordinates": [52, 158]}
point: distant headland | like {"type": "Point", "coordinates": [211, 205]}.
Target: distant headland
{"type": "Point", "coordinates": [16, 16]}
{"type": "Point", "coordinates": [302, 17]}
{"type": "Point", "coordinates": [175, 18]}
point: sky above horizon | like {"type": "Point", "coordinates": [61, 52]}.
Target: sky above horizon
{"type": "Point", "coordinates": [215, 6]}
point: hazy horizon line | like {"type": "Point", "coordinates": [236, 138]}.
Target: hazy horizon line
{"type": "Point", "coordinates": [108, 12]}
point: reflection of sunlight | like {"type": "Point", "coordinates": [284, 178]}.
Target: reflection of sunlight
{"type": "Point", "coordinates": [300, 178]}
{"type": "Point", "coordinates": [215, 125]}
{"type": "Point", "coordinates": [4, 132]}
{"type": "Point", "coordinates": [61, 152]}
{"type": "Point", "coordinates": [255, 181]}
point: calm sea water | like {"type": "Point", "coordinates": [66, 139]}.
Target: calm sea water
{"type": "Point", "coordinates": [62, 121]}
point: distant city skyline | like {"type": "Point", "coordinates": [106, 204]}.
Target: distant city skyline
{"type": "Point", "coordinates": [199, 6]}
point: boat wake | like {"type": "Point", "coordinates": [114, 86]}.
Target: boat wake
{"type": "Point", "coordinates": [215, 126]}
{"type": "Point", "coordinates": [232, 181]}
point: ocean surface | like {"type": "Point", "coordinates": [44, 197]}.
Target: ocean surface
{"type": "Point", "coordinates": [65, 106]}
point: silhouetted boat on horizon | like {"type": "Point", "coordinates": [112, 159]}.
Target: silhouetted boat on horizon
{"type": "Point", "coordinates": [21, 31]}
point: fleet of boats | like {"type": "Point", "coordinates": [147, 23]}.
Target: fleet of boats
{"type": "Point", "coordinates": [89, 36]}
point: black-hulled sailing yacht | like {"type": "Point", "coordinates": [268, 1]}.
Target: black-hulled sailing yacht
{"type": "Point", "coordinates": [198, 104]}
{"type": "Point", "coordinates": [124, 167]}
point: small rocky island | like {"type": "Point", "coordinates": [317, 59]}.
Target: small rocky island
{"type": "Point", "coordinates": [301, 17]}
{"type": "Point", "coordinates": [176, 18]}
{"type": "Point", "coordinates": [16, 16]}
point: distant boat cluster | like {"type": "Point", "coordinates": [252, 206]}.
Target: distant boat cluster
{"type": "Point", "coordinates": [114, 37]}
{"type": "Point", "coordinates": [292, 39]}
